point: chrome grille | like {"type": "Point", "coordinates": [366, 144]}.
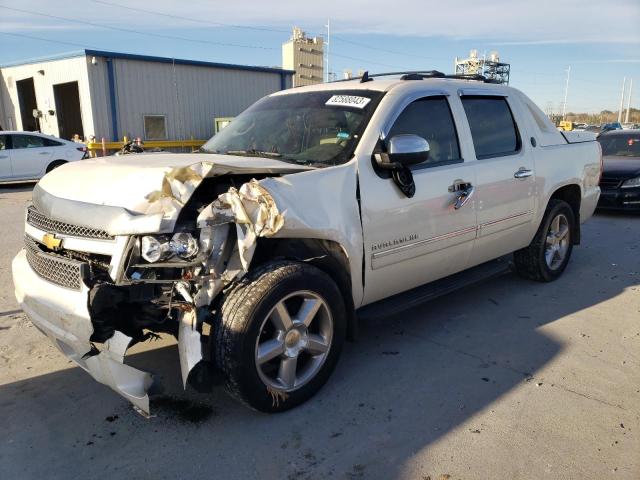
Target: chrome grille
{"type": "Point", "coordinates": [54, 268]}
{"type": "Point", "coordinates": [38, 220]}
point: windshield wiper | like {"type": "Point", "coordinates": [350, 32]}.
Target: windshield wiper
{"type": "Point", "coordinates": [253, 153]}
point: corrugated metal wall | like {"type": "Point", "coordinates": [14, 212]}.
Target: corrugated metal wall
{"type": "Point", "coordinates": [55, 72]}
{"type": "Point", "coordinates": [190, 96]}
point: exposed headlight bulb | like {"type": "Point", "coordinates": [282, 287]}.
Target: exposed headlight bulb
{"type": "Point", "coordinates": [151, 249]}
{"type": "Point", "coordinates": [184, 245]}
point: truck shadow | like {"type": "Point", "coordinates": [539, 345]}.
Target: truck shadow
{"type": "Point", "coordinates": [407, 382]}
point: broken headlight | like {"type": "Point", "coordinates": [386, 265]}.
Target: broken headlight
{"type": "Point", "coordinates": [156, 248]}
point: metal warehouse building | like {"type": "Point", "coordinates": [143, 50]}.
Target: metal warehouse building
{"type": "Point", "coordinates": [110, 95]}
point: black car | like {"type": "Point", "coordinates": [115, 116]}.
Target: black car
{"type": "Point", "coordinates": [620, 182]}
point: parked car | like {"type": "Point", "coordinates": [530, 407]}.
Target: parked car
{"type": "Point", "coordinates": [29, 155]}
{"type": "Point", "coordinates": [620, 183]}
{"type": "Point", "coordinates": [315, 206]}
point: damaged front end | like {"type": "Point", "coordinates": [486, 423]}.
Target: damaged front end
{"type": "Point", "coordinates": [96, 293]}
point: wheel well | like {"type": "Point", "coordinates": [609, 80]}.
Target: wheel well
{"type": "Point", "coordinates": [573, 196]}
{"type": "Point", "coordinates": [54, 164]}
{"type": "Point", "coordinates": [326, 255]}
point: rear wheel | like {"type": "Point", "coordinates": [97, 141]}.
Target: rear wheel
{"type": "Point", "coordinates": [55, 164]}
{"type": "Point", "coordinates": [278, 335]}
{"type": "Point", "coordinates": [548, 254]}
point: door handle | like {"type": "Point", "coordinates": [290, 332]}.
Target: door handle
{"type": "Point", "coordinates": [4, 156]}
{"type": "Point", "coordinates": [463, 196]}
{"type": "Point", "coordinates": [45, 153]}
{"type": "Point", "coordinates": [523, 173]}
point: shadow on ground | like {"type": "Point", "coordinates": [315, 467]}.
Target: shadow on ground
{"type": "Point", "coordinates": [403, 385]}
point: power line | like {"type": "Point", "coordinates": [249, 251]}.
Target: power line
{"type": "Point", "coordinates": [31, 37]}
{"type": "Point", "coordinates": [189, 19]}
{"type": "Point", "coordinates": [129, 30]}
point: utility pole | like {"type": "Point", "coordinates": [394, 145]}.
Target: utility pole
{"type": "Point", "coordinates": [626, 117]}
{"type": "Point", "coordinates": [624, 82]}
{"type": "Point", "coordinates": [328, 25]}
{"type": "Point", "coordinates": [566, 93]}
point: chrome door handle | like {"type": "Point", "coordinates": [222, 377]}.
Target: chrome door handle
{"type": "Point", "coordinates": [523, 173]}
{"type": "Point", "coordinates": [463, 196]}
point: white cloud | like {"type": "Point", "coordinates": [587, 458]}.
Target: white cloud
{"type": "Point", "coordinates": [509, 22]}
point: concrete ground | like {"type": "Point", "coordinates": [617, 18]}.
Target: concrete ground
{"type": "Point", "coordinates": [507, 380]}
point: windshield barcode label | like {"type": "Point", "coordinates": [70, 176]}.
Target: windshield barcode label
{"type": "Point", "coordinates": [348, 101]}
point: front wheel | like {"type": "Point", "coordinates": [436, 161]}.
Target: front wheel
{"type": "Point", "coordinates": [548, 254]}
{"type": "Point", "coordinates": [278, 335]}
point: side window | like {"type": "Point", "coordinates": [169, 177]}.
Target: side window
{"type": "Point", "coordinates": [431, 119]}
{"type": "Point", "coordinates": [4, 142]}
{"type": "Point", "coordinates": [493, 129]}
{"type": "Point", "coordinates": [27, 141]}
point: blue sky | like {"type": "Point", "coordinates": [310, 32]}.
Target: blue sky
{"type": "Point", "coordinates": [599, 40]}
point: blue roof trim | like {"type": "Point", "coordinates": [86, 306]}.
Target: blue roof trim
{"type": "Point", "coordinates": [48, 58]}
{"type": "Point", "coordinates": [150, 58]}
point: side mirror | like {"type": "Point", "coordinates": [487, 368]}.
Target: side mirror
{"type": "Point", "coordinates": [407, 149]}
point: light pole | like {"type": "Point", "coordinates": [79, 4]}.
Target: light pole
{"type": "Point", "coordinates": [566, 93]}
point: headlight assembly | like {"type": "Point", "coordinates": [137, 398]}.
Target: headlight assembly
{"type": "Point", "coordinates": [156, 248]}
{"type": "Point", "coordinates": [632, 182]}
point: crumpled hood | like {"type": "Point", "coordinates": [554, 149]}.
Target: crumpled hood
{"type": "Point", "coordinates": [147, 191]}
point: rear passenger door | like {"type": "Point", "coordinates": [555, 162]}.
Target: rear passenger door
{"type": "Point", "coordinates": [30, 155]}
{"type": "Point", "coordinates": [5, 157]}
{"type": "Point", "coordinates": [505, 177]}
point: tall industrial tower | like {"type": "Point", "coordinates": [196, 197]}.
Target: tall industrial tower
{"type": "Point", "coordinates": [305, 56]}
{"type": "Point", "coordinates": [491, 67]}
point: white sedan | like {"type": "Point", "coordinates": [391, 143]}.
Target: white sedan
{"type": "Point", "coordinates": [29, 155]}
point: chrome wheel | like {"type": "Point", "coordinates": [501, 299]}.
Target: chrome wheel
{"type": "Point", "coordinates": [294, 341]}
{"type": "Point", "coordinates": [557, 242]}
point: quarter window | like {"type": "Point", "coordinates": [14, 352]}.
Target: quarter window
{"type": "Point", "coordinates": [493, 129]}
{"type": "Point", "coordinates": [4, 142]}
{"type": "Point", "coordinates": [431, 119]}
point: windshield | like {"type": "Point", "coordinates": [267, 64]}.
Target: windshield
{"type": "Point", "coordinates": [620, 145]}
{"type": "Point", "coordinates": [313, 128]}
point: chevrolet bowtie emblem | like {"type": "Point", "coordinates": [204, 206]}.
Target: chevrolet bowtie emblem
{"type": "Point", "coordinates": [51, 242]}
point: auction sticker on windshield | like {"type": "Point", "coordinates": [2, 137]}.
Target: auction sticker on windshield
{"type": "Point", "coordinates": [348, 101]}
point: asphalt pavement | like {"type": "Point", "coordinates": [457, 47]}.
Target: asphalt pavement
{"type": "Point", "coordinates": [510, 379]}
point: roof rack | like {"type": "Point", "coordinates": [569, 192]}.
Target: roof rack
{"type": "Point", "coordinates": [420, 75]}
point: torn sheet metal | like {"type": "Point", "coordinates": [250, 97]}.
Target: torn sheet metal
{"type": "Point", "coordinates": [189, 343]}
{"type": "Point", "coordinates": [254, 212]}
{"type": "Point", "coordinates": [138, 193]}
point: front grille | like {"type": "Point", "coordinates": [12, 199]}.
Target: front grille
{"type": "Point", "coordinates": [610, 183]}
{"type": "Point", "coordinates": [54, 268]}
{"type": "Point", "coordinates": [38, 220]}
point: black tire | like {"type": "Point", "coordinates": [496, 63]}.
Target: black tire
{"type": "Point", "coordinates": [238, 324]}
{"type": "Point", "coordinates": [530, 262]}
{"type": "Point", "coordinates": [55, 164]}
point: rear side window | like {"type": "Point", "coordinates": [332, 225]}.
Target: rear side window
{"type": "Point", "coordinates": [51, 143]}
{"type": "Point", "coordinates": [4, 142]}
{"type": "Point", "coordinates": [493, 129]}
{"type": "Point", "coordinates": [431, 119]}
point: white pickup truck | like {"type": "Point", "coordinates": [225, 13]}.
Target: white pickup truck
{"type": "Point", "coordinates": [313, 207]}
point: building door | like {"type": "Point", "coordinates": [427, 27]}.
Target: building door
{"type": "Point", "coordinates": [67, 99]}
{"type": "Point", "coordinates": [27, 103]}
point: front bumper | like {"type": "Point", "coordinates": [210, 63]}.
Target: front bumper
{"type": "Point", "coordinates": [620, 199]}
{"type": "Point", "coordinates": [62, 315]}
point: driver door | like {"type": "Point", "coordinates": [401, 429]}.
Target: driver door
{"type": "Point", "coordinates": [412, 241]}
